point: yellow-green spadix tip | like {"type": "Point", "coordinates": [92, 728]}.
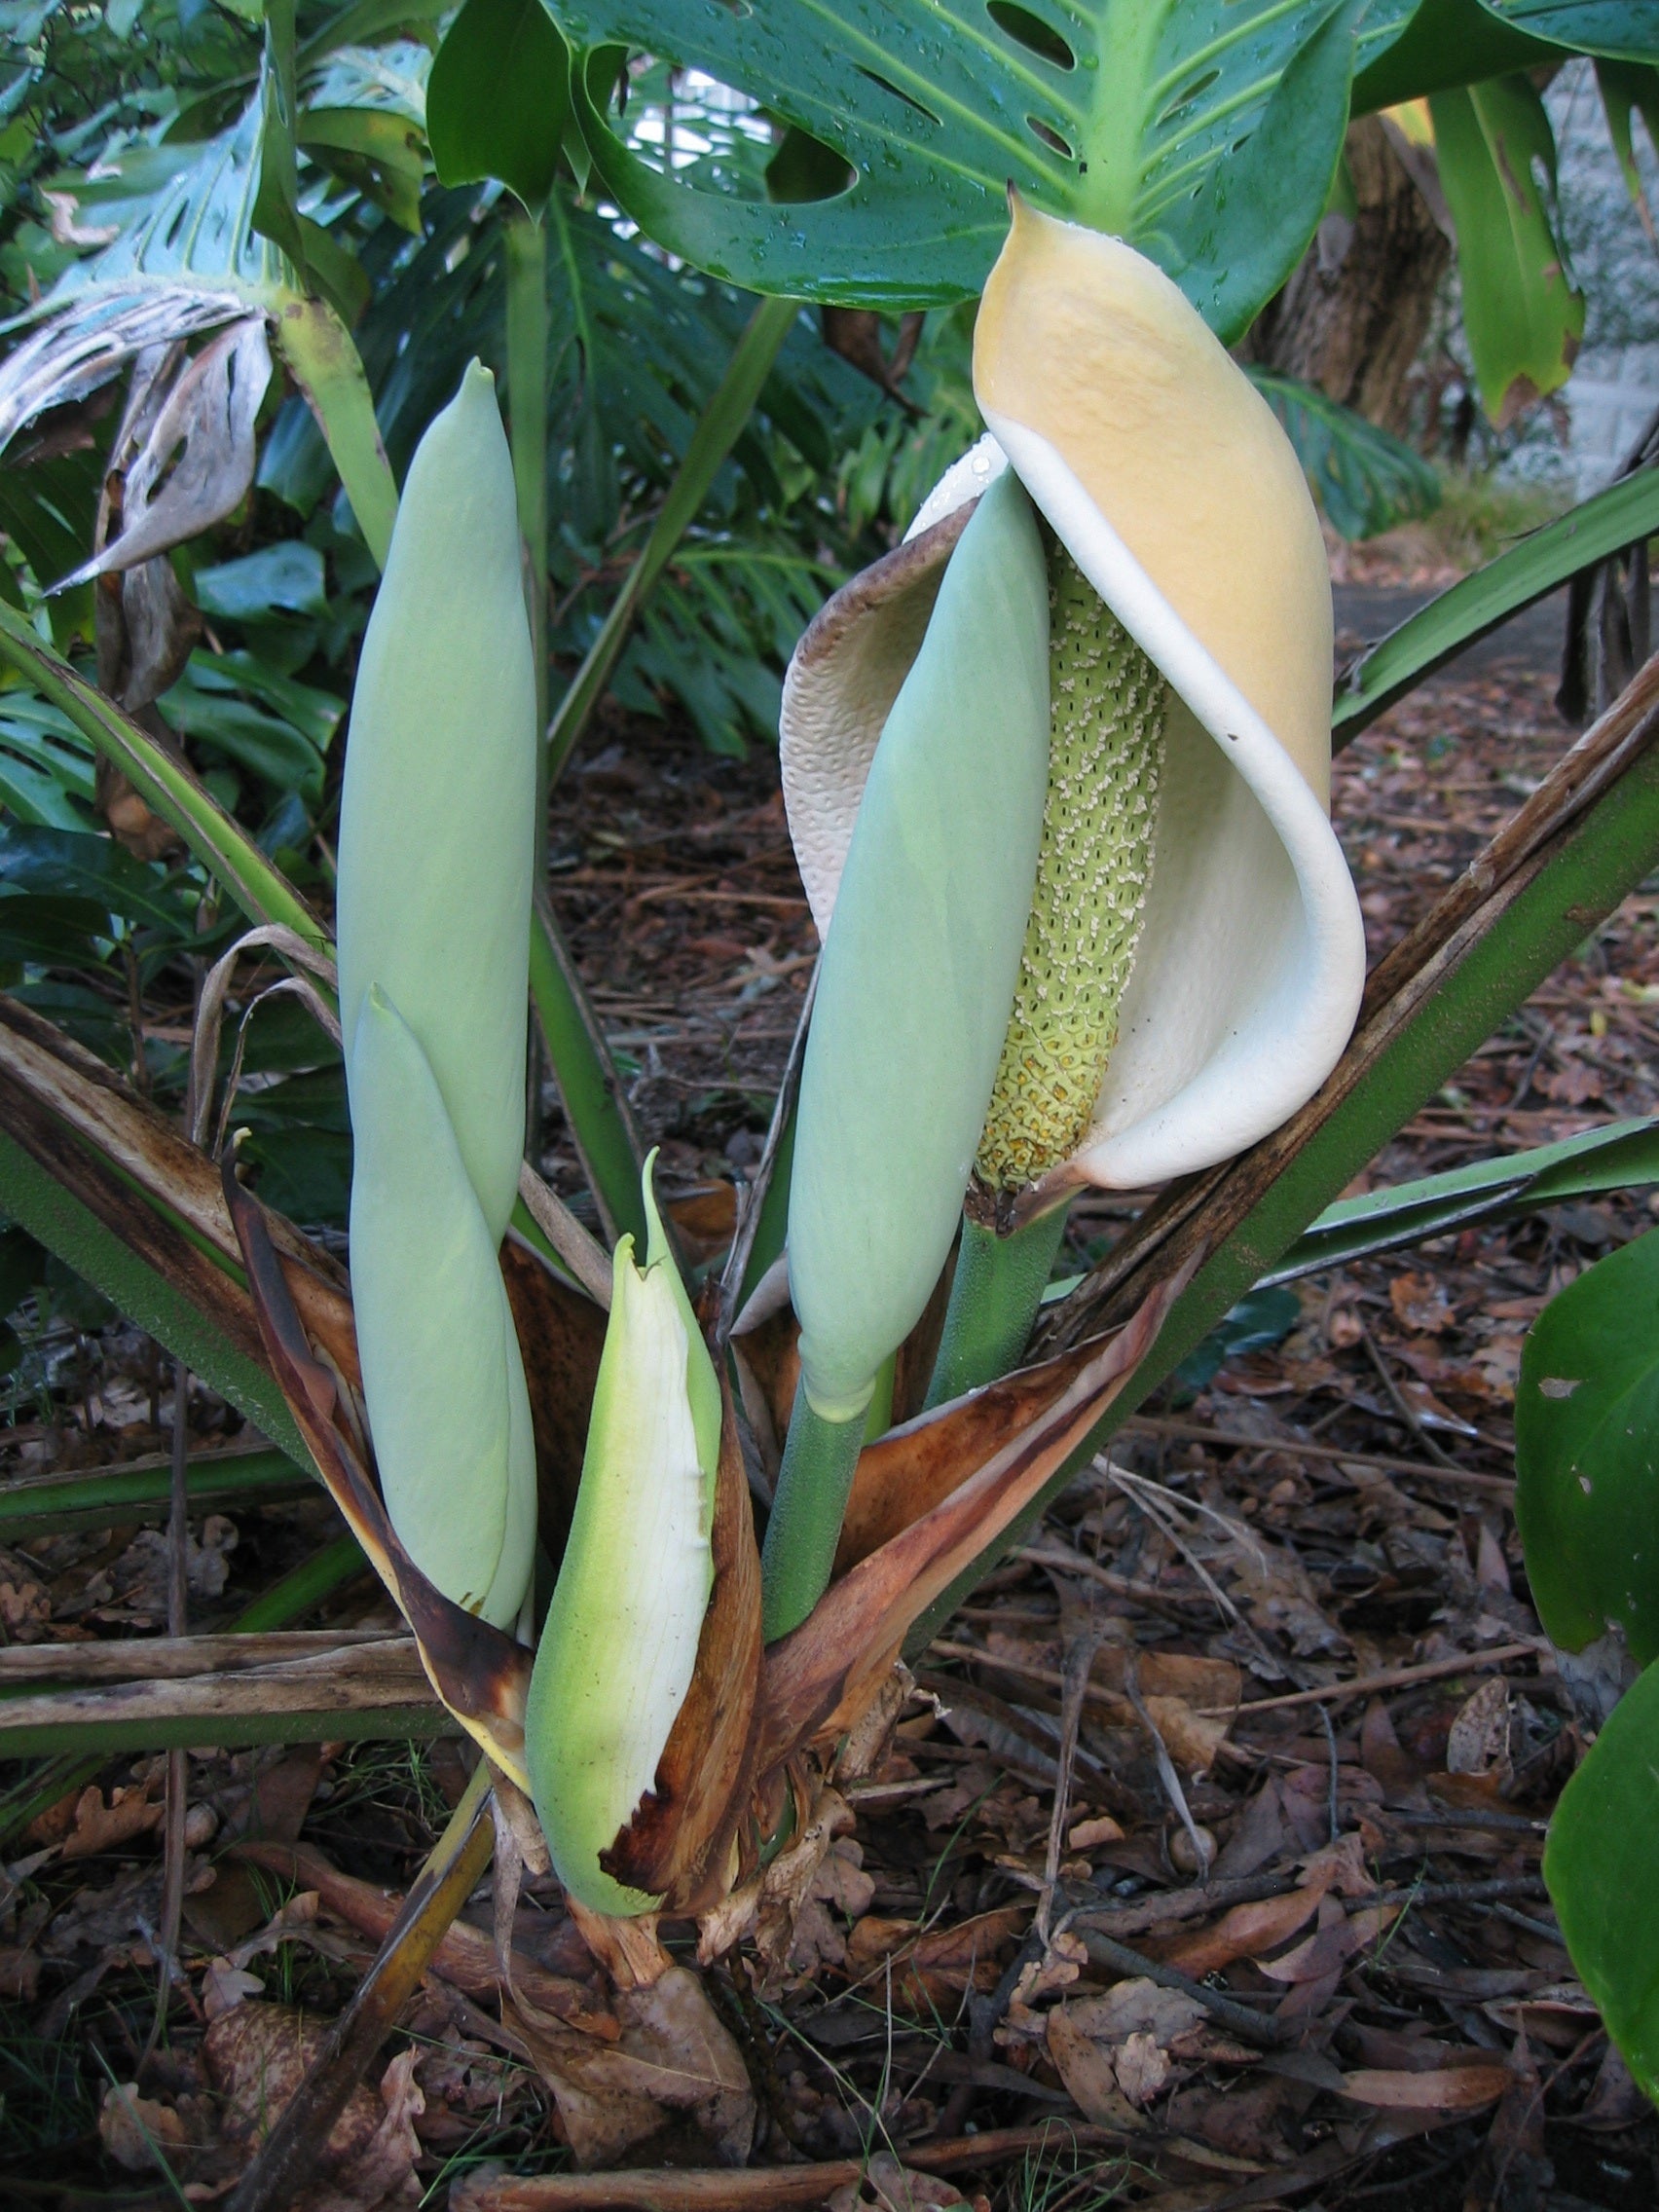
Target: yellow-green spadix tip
{"type": "Point", "coordinates": [1107, 706]}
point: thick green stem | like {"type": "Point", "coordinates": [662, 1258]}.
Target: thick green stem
{"type": "Point", "coordinates": [589, 1087]}
{"type": "Point", "coordinates": [722, 424]}
{"type": "Point", "coordinates": [527, 418]}
{"type": "Point", "coordinates": [994, 1297]}
{"type": "Point", "coordinates": [806, 1525]}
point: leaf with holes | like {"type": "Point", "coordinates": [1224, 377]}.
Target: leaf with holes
{"type": "Point", "coordinates": [1587, 1453]}
{"type": "Point", "coordinates": [1204, 131]}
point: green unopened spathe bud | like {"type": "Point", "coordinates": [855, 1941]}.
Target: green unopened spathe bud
{"type": "Point", "coordinates": [619, 1643]}
{"type": "Point", "coordinates": [438, 804]}
{"type": "Point", "coordinates": [920, 962]}
{"type": "Point", "coordinates": [442, 1377]}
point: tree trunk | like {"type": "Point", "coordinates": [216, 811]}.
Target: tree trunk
{"type": "Point", "coordinates": [1356, 309]}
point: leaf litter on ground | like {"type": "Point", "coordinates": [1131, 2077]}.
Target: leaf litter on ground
{"type": "Point", "coordinates": [1315, 1675]}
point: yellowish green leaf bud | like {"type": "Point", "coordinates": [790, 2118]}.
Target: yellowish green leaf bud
{"type": "Point", "coordinates": [619, 1643]}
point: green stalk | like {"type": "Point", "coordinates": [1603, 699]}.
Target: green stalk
{"type": "Point", "coordinates": [807, 1510]}
{"type": "Point", "coordinates": [994, 1296]}
{"type": "Point", "coordinates": [718, 430]}
{"type": "Point", "coordinates": [527, 420]}
{"type": "Point", "coordinates": [215, 1482]}
{"type": "Point", "coordinates": [1602, 857]}
{"type": "Point", "coordinates": [165, 785]}
{"type": "Point", "coordinates": [589, 1087]}
{"type": "Point", "coordinates": [326, 366]}
{"type": "Point", "coordinates": [305, 1586]}
{"type": "Point", "coordinates": [274, 1608]}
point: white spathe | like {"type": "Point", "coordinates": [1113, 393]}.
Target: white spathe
{"type": "Point", "coordinates": [1169, 482]}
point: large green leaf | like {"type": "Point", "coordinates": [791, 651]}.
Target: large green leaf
{"type": "Point", "coordinates": [1622, 1157]}
{"type": "Point", "coordinates": [1621, 515]}
{"type": "Point", "coordinates": [1207, 131]}
{"type": "Point", "coordinates": [1366, 479]}
{"type": "Point", "coordinates": [1598, 1864]}
{"type": "Point", "coordinates": [1628, 29]}
{"type": "Point", "coordinates": [1587, 1453]}
{"type": "Point", "coordinates": [1522, 315]}
{"type": "Point", "coordinates": [499, 98]}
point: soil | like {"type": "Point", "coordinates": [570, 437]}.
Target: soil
{"type": "Point", "coordinates": [1315, 1664]}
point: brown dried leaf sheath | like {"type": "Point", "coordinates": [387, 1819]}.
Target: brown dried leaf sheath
{"type": "Point", "coordinates": [818, 1680]}
{"type": "Point", "coordinates": [151, 1189]}
{"type": "Point", "coordinates": [482, 1676]}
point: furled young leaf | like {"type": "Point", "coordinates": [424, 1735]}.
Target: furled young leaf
{"type": "Point", "coordinates": [1598, 1864]}
{"type": "Point", "coordinates": [1366, 479]}
{"type": "Point", "coordinates": [1523, 317]}
{"type": "Point", "coordinates": [499, 98]}
{"type": "Point", "coordinates": [1587, 1453]}
{"type": "Point", "coordinates": [1206, 133]}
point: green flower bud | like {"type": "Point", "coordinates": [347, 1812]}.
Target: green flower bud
{"type": "Point", "coordinates": [619, 1643]}
{"type": "Point", "coordinates": [447, 1410]}
{"type": "Point", "coordinates": [438, 806]}
{"type": "Point", "coordinates": [921, 960]}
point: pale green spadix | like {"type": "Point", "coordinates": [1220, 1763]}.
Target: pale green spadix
{"type": "Point", "coordinates": [448, 1416]}
{"type": "Point", "coordinates": [619, 1643]}
{"type": "Point", "coordinates": [921, 960]}
{"type": "Point", "coordinates": [438, 805]}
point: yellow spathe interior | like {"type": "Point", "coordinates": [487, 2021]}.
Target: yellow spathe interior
{"type": "Point", "coordinates": [1085, 342]}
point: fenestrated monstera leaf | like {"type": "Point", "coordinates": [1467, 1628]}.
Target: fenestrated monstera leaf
{"type": "Point", "coordinates": [1206, 132]}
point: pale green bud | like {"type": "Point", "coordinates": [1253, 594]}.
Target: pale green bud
{"type": "Point", "coordinates": [619, 1643]}
{"type": "Point", "coordinates": [921, 959]}
{"type": "Point", "coordinates": [438, 807]}
{"type": "Point", "coordinates": [448, 1416]}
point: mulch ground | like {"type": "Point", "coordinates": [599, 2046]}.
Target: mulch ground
{"type": "Point", "coordinates": [1294, 1592]}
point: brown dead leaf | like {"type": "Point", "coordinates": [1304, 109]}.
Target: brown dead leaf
{"type": "Point", "coordinates": [139, 2133]}
{"type": "Point", "coordinates": [1479, 1739]}
{"type": "Point", "coordinates": [1088, 2072]}
{"type": "Point", "coordinates": [1244, 1932]}
{"type": "Point", "coordinates": [673, 2077]}
{"type": "Point", "coordinates": [1453, 2088]}
{"type": "Point", "coordinates": [1421, 1304]}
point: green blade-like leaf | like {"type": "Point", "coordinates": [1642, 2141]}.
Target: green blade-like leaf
{"type": "Point", "coordinates": [499, 98]}
{"type": "Point", "coordinates": [1366, 479]}
{"type": "Point", "coordinates": [1598, 1864]}
{"type": "Point", "coordinates": [1622, 1157]}
{"type": "Point", "coordinates": [1522, 315]}
{"type": "Point", "coordinates": [1587, 1454]}
{"type": "Point", "coordinates": [166, 787]}
{"type": "Point", "coordinates": [1159, 120]}
{"type": "Point", "coordinates": [1621, 515]}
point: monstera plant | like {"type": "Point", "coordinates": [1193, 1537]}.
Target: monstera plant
{"type": "Point", "coordinates": [1056, 770]}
